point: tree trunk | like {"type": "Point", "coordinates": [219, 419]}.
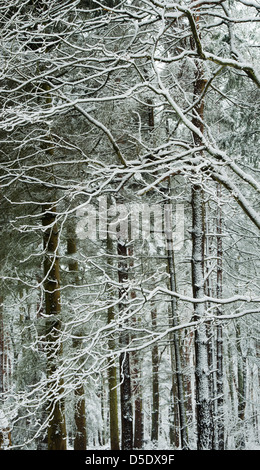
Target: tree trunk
{"type": "Point", "coordinates": [112, 373]}
{"type": "Point", "coordinates": [177, 354]}
{"type": "Point", "coordinates": [124, 361]}
{"type": "Point", "coordinates": [203, 399]}
{"type": "Point", "coordinates": [219, 346]}
{"type": "Point", "coordinates": [1, 347]}
{"type": "Point", "coordinates": [155, 385]}
{"type": "Point", "coordinates": [80, 441]}
{"type": "Point", "coordinates": [139, 428]}
{"type": "Point", "coordinates": [5, 433]}
{"type": "Point", "coordinates": [138, 401]}
{"type": "Point", "coordinates": [174, 422]}
{"type": "Point", "coordinates": [112, 384]}
{"type": "Point", "coordinates": [113, 405]}
{"type": "Point", "coordinates": [241, 390]}
{"type": "Point", "coordinates": [211, 329]}
{"type": "Point", "coordinates": [202, 373]}
{"type": "Point", "coordinates": [136, 379]}
{"type": "Point", "coordinates": [57, 427]}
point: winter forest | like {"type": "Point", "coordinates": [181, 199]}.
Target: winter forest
{"type": "Point", "coordinates": [129, 224]}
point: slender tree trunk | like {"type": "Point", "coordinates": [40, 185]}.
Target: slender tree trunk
{"type": "Point", "coordinates": [57, 427]}
{"type": "Point", "coordinates": [5, 434]}
{"type": "Point", "coordinates": [174, 422]}
{"type": "Point", "coordinates": [126, 404]}
{"type": "Point", "coordinates": [112, 372]}
{"type": "Point", "coordinates": [136, 378]}
{"type": "Point", "coordinates": [215, 343]}
{"type": "Point", "coordinates": [113, 404]}
{"type": "Point", "coordinates": [232, 387]}
{"type": "Point", "coordinates": [124, 361]}
{"type": "Point", "coordinates": [211, 291]}
{"type": "Point", "coordinates": [139, 428]}
{"type": "Point", "coordinates": [219, 346]}
{"type": "Point", "coordinates": [241, 390]}
{"type": "Point", "coordinates": [155, 385]}
{"type": "Point", "coordinates": [202, 373]}
{"type": "Point", "coordinates": [177, 353]}
{"type": "Point", "coordinates": [112, 384]}
{"type": "Point", "coordinates": [80, 441]}
{"type": "Point", "coordinates": [138, 401]}
{"type": "Point", "coordinates": [174, 418]}
{"type": "Point", "coordinates": [203, 399]}
{"type": "Point", "coordinates": [1, 347]}
{"type": "Point", "coordinates": [102, 433]}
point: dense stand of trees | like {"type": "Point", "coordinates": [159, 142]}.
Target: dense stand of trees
{"type": "Point", "coordinates": [129, 224]}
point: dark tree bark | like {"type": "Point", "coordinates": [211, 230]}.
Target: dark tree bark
{"type": "Point", "coordinates": [57, 427]}
{"type": "Point", "coordinates": [124, 360]}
